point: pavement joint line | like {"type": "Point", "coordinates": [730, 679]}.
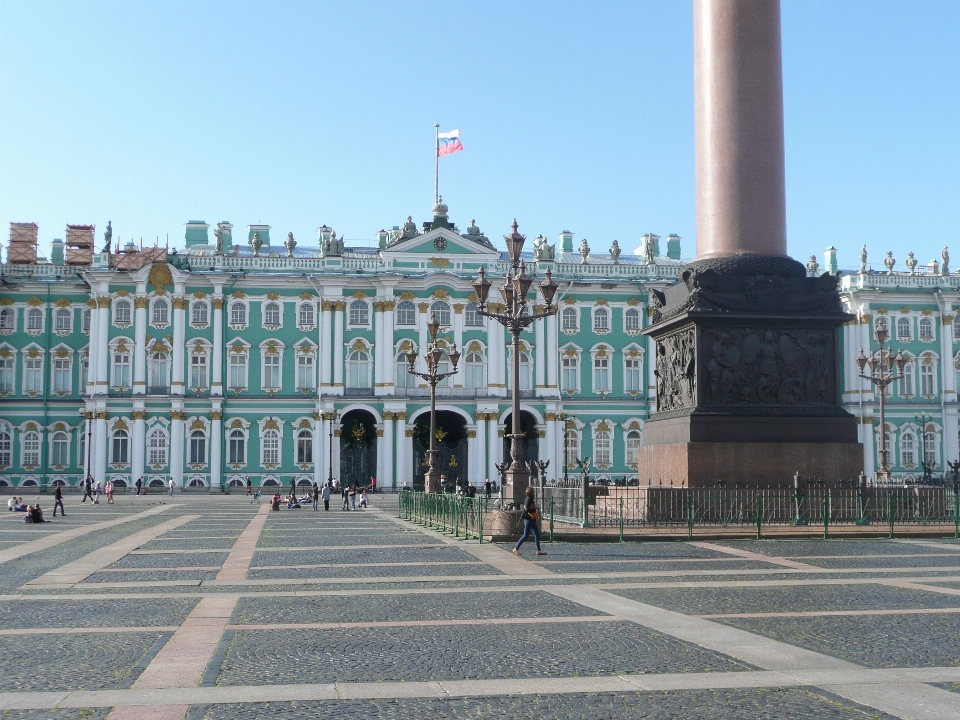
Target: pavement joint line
{"type": "Point", "coordinates": [910, 700]}
{"type": "Point", "coordinates": [833, 613]}
{"type": "Point", "coordinates": [63, 536]}
{"type": "Point", "coordinates": [909, 585]}
{"type": "Point", "coordinates": [857, 681]}
{"type": "Point", "coordinates": [183, 568]}
{"type": "Point", "coordinates": [490, 553]}
{"type": "Point", "coordinates": [241, 555]}
{"type": "Point", "coordinates": [295, 548]}
{"type": "Point", "coordinates": [431, 623]}
{"type": "Point", "coordinates": [748, 555]}
{"type": "Point", "coordinates": [924, 543]}
{"type": "Point", "coordinates": [83, 630]}
{"type": "Point", "coordinates": [75, 572]}
{"type": "Point", "coordinates": [359, 565]}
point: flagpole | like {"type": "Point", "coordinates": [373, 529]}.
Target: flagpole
{"type": "Point", "coordinates": [436, 181]}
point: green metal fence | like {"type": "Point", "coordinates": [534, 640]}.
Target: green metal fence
{"type": "Point", "coordinates": [461, 516]}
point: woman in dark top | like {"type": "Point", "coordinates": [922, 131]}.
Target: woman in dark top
{"type": "Point", "coordinates": [531, 514]}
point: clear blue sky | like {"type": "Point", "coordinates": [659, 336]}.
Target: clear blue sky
{"type": "Point", "coordinates": [574, 115]}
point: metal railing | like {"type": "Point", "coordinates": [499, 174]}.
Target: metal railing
{"type": "Point", "coordinates": [462, 516]}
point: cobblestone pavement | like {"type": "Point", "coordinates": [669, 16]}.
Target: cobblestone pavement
{"type": "Point", "coordinates": [408, 622]}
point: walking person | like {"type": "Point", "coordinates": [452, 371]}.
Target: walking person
{"type": "Point", "coordinates": [353, 498]}
{"type": "Point", "coordinates": [249, 486]}
{"type": "Point", "coordinates": [487, 488]}
{"type": "Point", "coordinates": [316, 496]}
{"type": "Point", "coordinates": [170, 486]}
{"type": "Point", "coordinates": [531, 514]}
{"type": "Point", "coordinates": [109, 490]}
{"type": "Point", "coordinates": [58, 502]}
{"type": "Point", "coordinates": [139, 485]}
{"type": "Point", "coordinates": [96, 493]}
{"type": "Point", "coordinates": [345, 494]}
{"type": "Point", "coordinates": [325, 493]}
{"type": "Point", "coordinates": [87, 485]}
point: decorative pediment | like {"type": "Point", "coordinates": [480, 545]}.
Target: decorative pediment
{"type": "Point", "coordinates": [441, 240]}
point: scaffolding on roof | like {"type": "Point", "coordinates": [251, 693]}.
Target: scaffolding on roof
{"type": "Point", "coordinates": [23, 244]}
{"type": "Point", "coordinates": [80, 244]}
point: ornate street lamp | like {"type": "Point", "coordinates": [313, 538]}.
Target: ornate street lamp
{"type": "Point", "coordinates": [332, 417]}
{"type": "Point", "coordinates": [882, 375]}
{"type": "Point", "coordinates": [565, 418]}
{"type": "Point", "coordinates": [515, 317]}
{"type": "Point", "coordinates": [433, 356]}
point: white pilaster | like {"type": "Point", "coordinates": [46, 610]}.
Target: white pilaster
{"type": "Point", "coordinates": [551, 446]}
{"type": "Point", "coordinates": [474, 457]}
{"type": "Point", "coordinates": [103, 339]}
{"type": "Point", "coordinates": [318, 467]}
{"type": "Point", "coordinates": [478, 450]}
{"type": "Point", "coordinates": [494, 448]}
{"type": "Point", "coordinates": [176, 447]}
{"type": "Point", "coordinates": [951, 443]}
{"type": "Point", "coordinates": [216, 448]}
{"type": "Point", "coordinates": [402, 470]}
{"type": "Point", "coordinates": [92, 345]}
{"type": "Point", "coordinates": [138, 445]}
{"type": "Point", "coordinates": [540, 358]}
{"type": "Point", "coordinates": [100, 447]}
{"type": "Point", "coordinates": [326, 344]}
{"type": "Point", "coordinates": [385, 450]}
{"type": "Point", "coordinates": [140, 349]}
{"type": "Point", "coordinates": [379, 350]}
{"type": "Point", "coordinates": [216, 386]}
{"type": "Point", "coordinates": [381, 454]}
{"type": "Point", "coordinates": [176, 385]}
{"type": "Point", "coordinates": [552, 352]}
{"type": "Point", "coordinates": [337, 358]}
{"type": "Point", "coordinates": [337, 427]}
{"type": "Point", "coordinates": [457, 380]}
{"type": "Point", "coordinates": [390, 368]}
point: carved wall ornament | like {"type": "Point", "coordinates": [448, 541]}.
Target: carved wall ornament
{"type": "Point", "coordinates": [160, 275]}
{"type": "Point", "coordinates": [141, 303]}
{"type": "Point", "coordinates": [238, 295]}
{"type": "Point", "coordinates": [237, 348]}
{"type": "Point", "coordinates": [272, 296]}
{"type": "Point", "coordinates": [474, 346]}
{"type": "Point", "coordinates": [63, 302]}
{"type": "Point", "coordinates": [633, 301]}
{"type": "Point", "coordinates": [407, 295]}
{"type": "Point", "coordinates": [218, 303]}
{"type": "Point", "coordinates": [62, 353]}
{"type": "Point", "coordinates": [103, 302]}
{"type": "Point", "coordinates": [441, 293]}
{"type": "Point", "coordinates": [569, 300]}
{"type": "Point", "coordinates": [6, 301]}
{"type": "Point", "coordinates": [34, 301]}
{"type": "Point", "coordinates": [601, 301]}
{"type": "Point", "coordinates": [180, 303]}
{"type": "Point", "coordinates": [33, 353]}
{"type": "Point", "coordinates": [676, 371]}
{"type": "Point", "coordinates": [359, 295]}
{"type": "Point", "coordinates": [904, 310]}
{"type": "Point", "coordinates": [423, 307]}
{"type": "Point", "coordinates": [927, 312]}
{"type": "Point", "coordinates": [197, 424]}
{"type": "Point", "coordinates": [138, 415]}
{"type": "Point", "coordinates": [439, 262]}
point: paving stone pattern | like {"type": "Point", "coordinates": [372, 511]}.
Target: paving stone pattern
{"type": "Point", "coordinates": [171, 560]}
{"type": "Point", "coordinates": [373, 572]}
{"type": "Point", "coordinates": [67, 613]}
{"type": "Point", "coordinates": [335, 556]}
{"type": "Point", "coordinates": [946, 560]}
{"type": "Point", "coordinates": [811, 548]}
{"type": "Point", "coordinates": [612, 566]}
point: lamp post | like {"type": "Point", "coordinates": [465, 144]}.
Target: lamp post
{"type": "Point", "coordinates": [882, 375]}
{"type": "Point", "coordinates": [332, 417]}
{"type": "Point", "coordinates": [565, 418]}
{"type": "Point", "coordinates": [928, 466]}
{"type": "Point", "coordinates": [515, 317]}
{"type": "Point", "coordinates": [433, 356]}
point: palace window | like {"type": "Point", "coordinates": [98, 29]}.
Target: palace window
{"type": "Point", "coordinates": [404, 378]}
{"type": "Point", "coordinates": [60, 449]}
{"type": "Point", "coordinates": [271, 314]}
{"type": "Point", "coordinates": [601, 374]}
{"type": "Point", "coordinates": [906, 380]}
{"type": "Point", "coordinates": [602, 446]}
{"type": "Point", "coordinates": [198, 371]}
{"type": "Point", "coordinates": [631, 320]}
{"type": "Point", "coordinates": [631, 375]}
{"type": "Point", "coordinates": [903, 329]}
{"type": "Point", "coordinates": [271, 372]}
{"type": "Point", "coordinates": [907, 452]}
{"type": "Point", "coordinates": [30, 444]}
{"type": "Point", "coordinates": [569, 319]}
{"type": "Point", "coordinates": [926, 329]}
{"type": "Point", "coordinates": [6, 447]}
{"type": "Point", "coordinates": [470, 316]}
{"type": "Point", "coordinates": [406, 313]}
{"type": "Point", "coordinates": [476, 375]}
{"type": "Point", "coordinates": [573, 447]}
{"type": "Point", "coordinates": [927, 384]}
{"type": "Point", "coordinates": [306, 314]}
{"type": "Point", "coordinates": [34, 319]}
{"type": "Point", "coordinates": [87, 314]}
{"type": "Point", "coordinates": [570, 373]}
{"type": "Point", "coordinates": [61, 375]}
{"type": "Point", "coordinates": [238, 370]}
{"type": "Point", "coordinates": [238, 313]}
{"type": "Point", "coordinates": [359, 312]}
{"type": "Point", "coordinates": [62, 320]}
{"type": "Point", "coordinates": [84, 372]}
{"type": "Point", "coordinates": [161, 312]}
{"type": "Point", "coordinates": [199, 314]}
{"type": "Point", "coordinates": [157, 453]}
{"type": "Point", "coordinates": [358, 369]}
{"type": "Point", "coordinates": [121, 370]}
{"type": "Point", "coordinates": [633, 448]}
{"type": "Point", "coordinates": [121, 312]}
{"type": "Point", "coordinates": [159, 367]}
{"type": "Point", "coordinates": [198, 447]}
{"type": "Point", "coordinates": [601, 319]}
{"type": "Point", "coordinates": [271, 448]}
{"type": "Point", "coordinates": [120, 452]}
{"type": "Point", "coordinates": [443, 367]}
{"type": "Point", "coordinates": [33, 375]}
{"type": "Point", "coordinates": [237, 450]}
{"type": "Point", "coordinates": [526, 372]}
{"type": "Point", "coordinates": [441, 309]}
{"type": "Point", "coordinates": [6, 319]}
{"type": "Point", "coordinates": [956, 326]}
{"type": "Point", "coordinates": [880, 324]}
{"type": "Point", "coordinates": [6, 374]}
{"type": "Point", "coordinates": [304, 447]}
{"type": "Point", "coordinates": [306, 377]}
{"type": "Point", "coordinates": [930, 448]}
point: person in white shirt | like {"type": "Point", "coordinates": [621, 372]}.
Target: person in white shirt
{"type": "Point", "coordinates": [171, 485]}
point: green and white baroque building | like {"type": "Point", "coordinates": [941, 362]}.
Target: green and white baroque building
{"type": "Point", "coordinates": [242, 359]}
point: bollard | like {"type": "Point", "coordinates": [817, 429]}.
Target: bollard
{"type": "Point", "coordinates": [759, 514]}
{"type": "Point", "coordinates": [689, 515]}
{"type": "Point", "coordinates": [826, 515]}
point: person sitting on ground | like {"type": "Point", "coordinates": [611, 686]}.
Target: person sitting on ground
{"type": "Point", "coordinates": [363, 499]}
{"type": "Point", "coordinates": [18, 505]}
{"type": "Point", "coordinates": [10, 503]}
{"type": "Point", "coordinates": [275, 502]}
{"type": "Point", "coordinates": [34, 514]}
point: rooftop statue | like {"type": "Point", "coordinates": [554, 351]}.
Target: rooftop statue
{"type": "Point", "coordinates": [945, 256]}
{"type": "Point", "coordinates": [409, 230]}
{"type": "Point", "coordinates": [290, 244]}
{"type": "Point", "coordinates": [863, 260]}
{"type": "Point", "coordinates": [107, 237]}
{"type": "Point", "coordinates": [218, 234]}
{"type": "Point", "coordinates": [889, 262]}
{"type": "Point", "coordinates": [584, 252]}
{"type": "Point", "coordinates": [911, 263]}
{"type": "Point", "coordinates": [474, 233]}
{"type": "Point", "coordinates": [615, 252]}
{"type": "Point", "coordinates": [542, 251]}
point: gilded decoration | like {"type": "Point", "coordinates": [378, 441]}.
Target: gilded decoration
{"type": "Point", "coordinates": [601, 301]}
{"type": "Point", "coordinates": [177, 415]}
{"type": "Point", "coordinates": [272, 296]}
{"type": "Point", "coordinates": [927, 312]}
{"type": "Point", "coordinates": [33, 353]}
{"type": "Point", "coordinates": [34, 301]}
{"type": "Point", "coordinates": [236, 424]}
{"type": "Point", "coordinates": [141, 303]}
{"type": "Point", "coordinates": [238, 295]}
{"type": "Point", "coordinates": [441, 293]}
{"type": "Point", "coordinates": [103, 302]}
{"type": "Point", "coordinates": [472, 297]}
{"type": "Point", "coordinates": [91, 303]}
{"type": "Point", "coordinates": [160, 275]}
{"type": "Point", "coordinates": [197, 425]}
{"type": "Point", "coordinates": [138, 415]}
{"type": "Point", "coordinates": [458, 309]}
{"type": "Point", "coordinates": [236, 348]}
{"type": "Point", "coordinates": [218, 303]}
{"type": "Point", "coordinates": [271, 424]}
{"type": "Point", "coordinates": [423, 307]}
{"type": "Point", "coordinates": [474, 346]}
{"type": "Point", "coordinates": [4, 353]}
{"type": "Point", "coordinates": [359, 295]}
{"type": "Point", "coordinates": [179, 303]}
{"type": "Point", "coordinates": [6, 301]}
{"type": "Point", "coordinates": [62, 303]}
{"type": "Point", "coordinates": [358, 345]}
{"type": "Point", "coordinates": [407, 295]}
{"type": "Point", "coordinates": [216, 415]}
{"type": "Point", "coordinates": [199, 294]}
{"type": "Point", "coordinates": [569, 300]}
{"type": "Point", "coordinates": [119, 425]}
{"type": "Point", "coordinates": [306, 295]}
{"type": "Point", "coordinates": [439, 262]}
{"type": "Point", "coordinates": [62, 353]}
{"type": "Point", "coordinates": [633, 301]}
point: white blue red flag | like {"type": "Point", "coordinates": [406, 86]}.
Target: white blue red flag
{"type": "Point", "coordinates": [448, 142]}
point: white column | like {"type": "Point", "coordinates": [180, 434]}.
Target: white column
{"type": "Point", "coordinates": [477, 458]}
{"type": "Point", "coordinates": [381, 455]}
{"type": "Point", "coordinates": [869, 449]}
{"type": "Point", "coordinates": [326, 344]}
{"type": "Point", "coordinates": [92, 348]}
{"type": "Point", "coordinates": [402, 470]}
{"type": "Point", "coordinates": [494, 447]}
{"type": "Point", "coordinates": [540, 358]}
{"type": "Point", "coordinates": [951, 443]}
{"type": "Point", "coordinates": [103, 340]}
{"type": "Point", "coordinates": [379, 350]}
{"type": "Point", "coordinates": [216, 387]}
{"type": "Point", "coordinates": [176, 385]}
{"type": "Point", "coordinates": [338, 426]}
{"type": "Point", "coordinates": [551, 445]}
{"type": "Point", "coordinates": [552, 351]}
{"type": "Point", "coordinates": [474, 457]}
{"type": "Point", "coordinates": [390, 368]}
{"type": "Point", "coordinates": [323, 446]}
{"type": "Point", "coordinates": [100, 447]}
{"type": "Point", "coordinates": [176, 447]}
{"type": "Point", "coordinates": [497, 368]}
{"type": "Point", "coordinates": [385, 449]}
{"type": "Point", "coordinates": [138, 445]}
{"type": "Point", "coordinates": [318, 476]}
{"type": "Point", "coordinates": [337, 356]}
{"type": "Point", "coordinates": [140, 350]}
{"type": "Point", "coordinates": [216, 448]}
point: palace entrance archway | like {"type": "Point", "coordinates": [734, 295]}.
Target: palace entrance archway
{"type": "Point", "coordinates": [358, 448]}
{"type": "Point", "coordinates": [531, 441]}
{"type": "Point", "coordinates": [452, 458]}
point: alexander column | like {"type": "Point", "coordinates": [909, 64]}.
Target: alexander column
{"type": "Point", "coordinates": [747, 347]}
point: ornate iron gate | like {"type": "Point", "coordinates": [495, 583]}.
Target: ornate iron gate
{"type": "Point", "coordinates": [452, 462]}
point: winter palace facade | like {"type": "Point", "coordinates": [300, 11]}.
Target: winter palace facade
{"type": "Point", "coordinates": [257, 357]}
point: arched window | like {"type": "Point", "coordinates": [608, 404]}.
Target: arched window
{"type": "Point", "coordinates": [238, 313]}
{"type": "Point", "coordinates": [441, 309]}
{"type": "Point", "coordinates": [6, 446]}
{"type": "Point", "coordinates": [271, 313]}
{"type": "Point", "coordinates": [631, 375]}
{"type": "Point", "coordinates": [476, 371]}
{"type": "Point", "coordinates": [271, 448]}
{"type": "Point", "coordinates": [159, 365]}
{"type": "Point", "coordinates": [30, 442]}
{"type": "Point", "coordinates": [930, 447]}
{"type": "Point", "coordinates": [631, 319]}
{"type": "Point", "coordinates": [157, 454]}
{"type": "Point", "coordinates": [359, 312]}
{"type": "Point", "coordinates": [120, 450]}
{"type": "Point", "coordinates": [526, 372]}
{"type": "Point", "coordinates": [906, 379]}
{"type": "Point", "coordinates": [60, 450]}
{"type": "Point", "coordinates": [569, 319]}
{"type": "Point", "coordinates": [237, 451]}
{"type": "Point", "coordinates": [6, 374]}
{"type": "Point", "coordinates": [956, 326]}
{"type": "Point", "coordinates": [87, 314]}
{"type": "Point", "coordinates": [200, 313]}
{"type": "Point", "coordinates": [927, 381]}
{"type": "Point", "coordinates": [926, 328]}
{"type": "Point", "coordinates": [602, 446]}
{"type": "Point", "coordinates": [633, 448]}
{"type": "Point", "coordinates": [572, 436]}
{"type": "Point", "coordinates": [161, 312]}
{"type": "Point", "coordinates": [198, 447]}
{"type": "Point", "coordinates": [6, 318]}
{"type": "Point", "coordinates": [121, 369]}
{"type": "Point", "coordinates": [908, 456]}
{"type": "Point", "coordinates": [570, 373]}
{"type": "Point", "coordinates": [601, 319]}
{"type": "Point", "coordinates": [470, 316]}
{"type": "Point", "coordinates": [306, 314]}
{"type": "Point", "coordinates": [406, 313]}
{"type": "Point", "coordinates": [404, 378]}
{"type": "Point", "coordinates": [304, 447]}
{"type": "Point", "coordinates": [903, 328]}
{"type": "Point", "coordinates": [34, 319]}
{"type": "Point", "coordinates": [601, 374]}
{"type": "Point", "coordinates": [358, 369]}
{"type": "Point", "coordinates": [880, 324]}
{"type": "Point", "coordinates": [62, 320]}
{"type": "Point", "coordinates": [121, 312]}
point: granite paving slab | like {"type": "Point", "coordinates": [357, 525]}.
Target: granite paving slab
{"type": "Point", "coordinates": [413, 553]}
{"type": "Point", "coordinates": [616, 551]}
{"type": "Point", "coordinates": [609, 566]}
{"type": "Point", "coordinates": [328, 539]}
{"type": "Point", "coordinates": [947, 560]}
{"type": "Point", "coordinates": [201, 543]}
{"type": "Point", "coordinates": [64, 612]}
{"type": "Point", "coordinates": [171, 560]}
{"type": "Point", "coordinates": [809, 548]}
{"type": "Point", "coordinates": [150, 576]}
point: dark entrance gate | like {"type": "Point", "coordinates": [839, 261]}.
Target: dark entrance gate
{"type": "Point", "coordinates": [358, 448]}
{"type": "Point", "coordinates": [452, 458]}
{"type": "Point", "coordinates": [531, 441]}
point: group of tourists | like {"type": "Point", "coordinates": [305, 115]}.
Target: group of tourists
{"type": "Point", "coordinates": [352, 495]}
{"type": "Point", "coordinates": [32, 513]}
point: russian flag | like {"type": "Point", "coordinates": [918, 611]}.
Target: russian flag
{"type": "Point", "coordinates": [448, 142]}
